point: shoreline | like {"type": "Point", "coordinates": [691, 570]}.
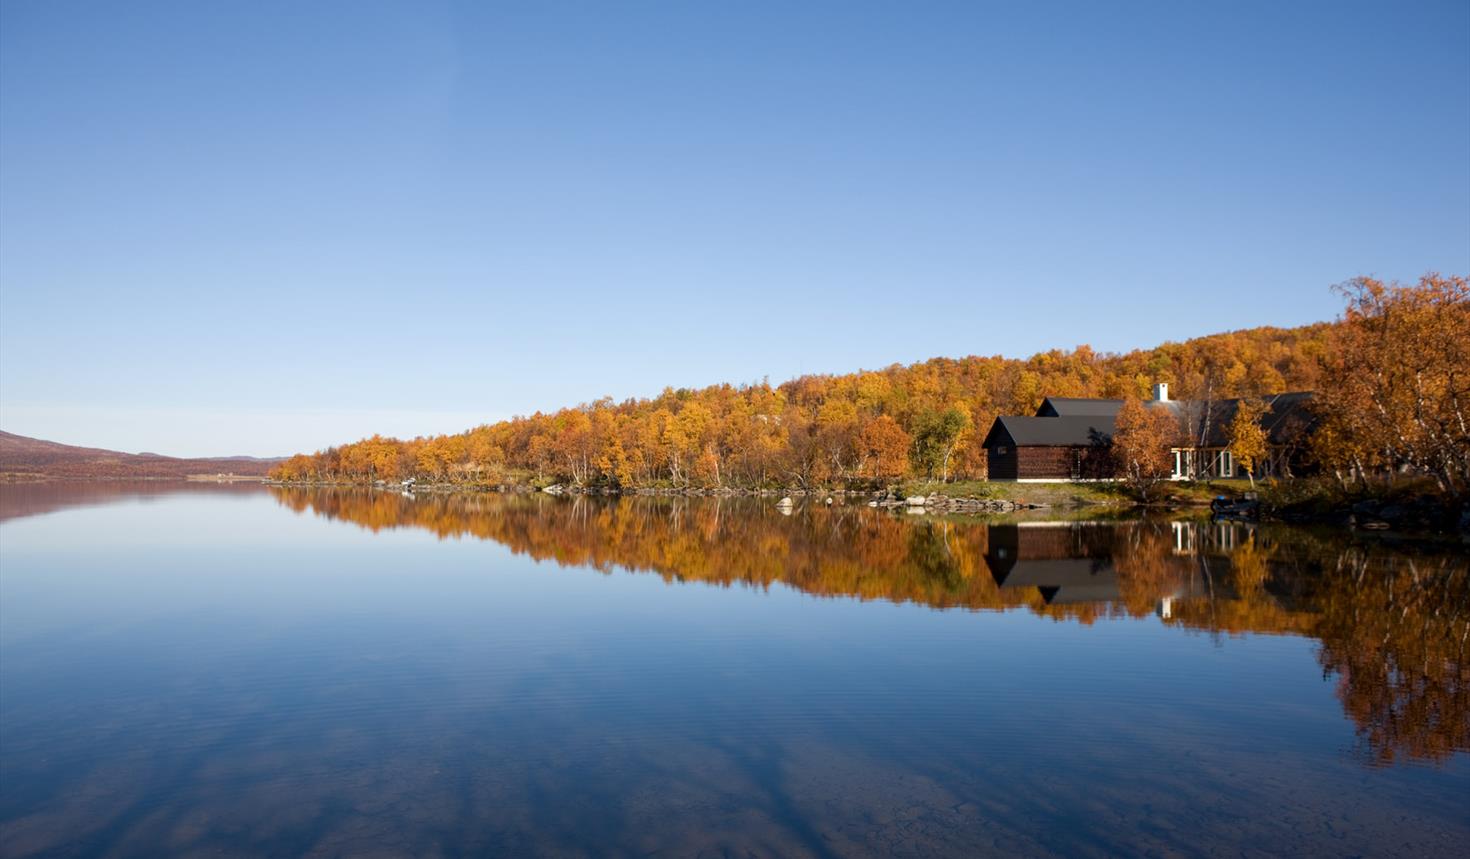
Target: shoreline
{"type": "Point", "coordinates": [1034, 496]}
{"type": "Point", "coordinates": [1416, 514]}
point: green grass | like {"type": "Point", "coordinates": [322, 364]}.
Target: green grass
{"type": "Point", "coordinates": [1184, 492]}
{"type": "Point", "coordinates": [1051, 494]}
{"type": "Point", "coordinates": [1202, 491]}
{"type": "Point", "coordinates": [957, 489]}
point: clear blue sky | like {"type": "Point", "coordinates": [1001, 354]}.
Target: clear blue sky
{"type": "Point", "coordinates": [259, 228]}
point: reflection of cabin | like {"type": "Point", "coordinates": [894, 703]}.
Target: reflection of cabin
{"type": "Point", "coordinates": [1194, 538]}
{"type": "Point", "coordinates": [1077, 562]}
{"type": "Point", "coordinates": [1067, 563]}
{"type": "Point", "coordinates": [1071, 438]}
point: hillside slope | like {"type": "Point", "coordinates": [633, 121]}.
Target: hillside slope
{"type": "Point", "coordinates": [924, 419]}
{"type": "Point", "coordinates": [24, 456]}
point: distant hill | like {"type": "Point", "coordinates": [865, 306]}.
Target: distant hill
{"type": "Point", "coordinates": [21, 456]}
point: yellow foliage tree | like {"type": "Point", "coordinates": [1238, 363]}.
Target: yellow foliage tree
{"type": "Point", "coordinates": [1247, 438]}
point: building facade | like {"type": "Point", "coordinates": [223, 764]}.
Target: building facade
{"type": "Point", "coordinates": [1070, 439]}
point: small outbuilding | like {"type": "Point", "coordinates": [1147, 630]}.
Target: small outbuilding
{"type": "Point", "coordinates": [1050, 448]}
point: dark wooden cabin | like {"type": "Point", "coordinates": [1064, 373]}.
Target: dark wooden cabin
{"type": "Point", "coordinates": [1050, 448]}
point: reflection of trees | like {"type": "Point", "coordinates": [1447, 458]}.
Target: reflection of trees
{"type": "Point", "coordinates": [845, 551]}
{"type": "Point", "coordinates": [1148, 568]}
{"type": "Point", "coordinates": [1392, 623]}
{"type": "Point", "coordinates": [1394, 631]}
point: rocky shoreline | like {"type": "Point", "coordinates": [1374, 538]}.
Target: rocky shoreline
{"type": "Point", "coordinates": [1419, 515]}
{"type": "Point", "coordinates": [932, 503]}
{"type": "Point", "coordinates": [1373, 514]}
{"type": "Point", "coordinates": [939, 503]}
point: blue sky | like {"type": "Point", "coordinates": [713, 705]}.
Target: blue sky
{"type": "Point", "coordinates": [260, 228]}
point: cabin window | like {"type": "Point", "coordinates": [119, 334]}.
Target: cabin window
{"type": "Point", "coordinates": [1000, 450]}
{"type": "Point", "coordinates": [1183, 463]}
{"type": "Point", "coordinates": [1227, 464]}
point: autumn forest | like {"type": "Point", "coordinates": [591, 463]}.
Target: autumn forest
{"type": "Point", "coordinates": [1390, 375]}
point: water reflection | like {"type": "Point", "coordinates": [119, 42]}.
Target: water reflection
{"type": "Point", "coordinates": [20, 500]}
{"type": "Point", "coordinates": [1391, 620]}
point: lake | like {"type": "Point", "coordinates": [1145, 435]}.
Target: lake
{"type": "Point", "coordinates": [239, 670]}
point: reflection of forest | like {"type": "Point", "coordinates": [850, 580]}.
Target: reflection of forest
{"type": "Point", "coordinates": [1392, 623]}
{"type": "Point", "coordinates": [19, 500]}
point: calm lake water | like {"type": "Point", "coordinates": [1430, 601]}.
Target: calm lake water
{"type": "Point", "coordinates": [244, 671]}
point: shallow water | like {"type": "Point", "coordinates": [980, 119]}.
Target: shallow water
{"type": "Point", "coordinates": [237, 670]}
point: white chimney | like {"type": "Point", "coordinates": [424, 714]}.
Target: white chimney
{"type": "Point", "coordinates": [1161, 392]}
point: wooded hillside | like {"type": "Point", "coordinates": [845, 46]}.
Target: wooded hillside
{"type": "Point", "coordinates": [925, 419]}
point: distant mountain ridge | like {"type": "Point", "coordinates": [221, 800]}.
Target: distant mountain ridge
{"type": "Point", "coordinates": [22, 456]}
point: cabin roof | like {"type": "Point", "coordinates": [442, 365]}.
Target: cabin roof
{"type": "Point", "coordinates": [1022, 431]}
{"type": "Point", "coordinates": [1287, 416]}
{"type": "Point", "coordinates": [1066, 407]}
{"type": "Point", "coordinates": [1065, 580]}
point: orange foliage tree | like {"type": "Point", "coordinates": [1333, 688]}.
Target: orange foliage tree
{"type": "Point", "coordinates": [1399, 392]}
{"type": "Point", "coordinates": [885, 449]}
{"type": "Point", "coordinates": [1142, 437]}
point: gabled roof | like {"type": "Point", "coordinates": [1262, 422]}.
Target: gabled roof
{"type": "Point", "coordinates": [1044, 432]}
{"type": "Point", "coordinates": [1287, 417]}
{"type": "Point", "coordinates": [1067, 407]}
{"type": "Point", "coordinates": [1069, 580]}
